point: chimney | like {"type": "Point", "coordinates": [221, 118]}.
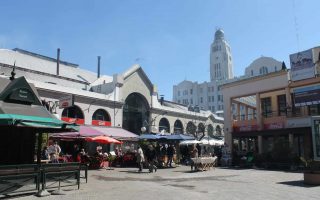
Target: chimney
{"type": "Point", "coordinates": [58, 60]}
{"type": "Point", "coordinates": [98, 66]}
{"type": "Point", "coordinates": [161, 99]}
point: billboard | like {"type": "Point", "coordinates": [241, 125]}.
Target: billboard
{"type": "Point", "coordinates": [302, 65]}
{"type": "Point", "coordinates": [306, 95]}
{"type": "Point", "coordinates": [66, 101]}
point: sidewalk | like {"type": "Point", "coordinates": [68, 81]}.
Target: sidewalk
{"type": "Point", "coordinates": [180, 183]}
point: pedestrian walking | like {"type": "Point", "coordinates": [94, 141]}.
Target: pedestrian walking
{"type": "Point", "coordinates": [151, 158]}
{"type": "Point", "coordinates": [140, 158]}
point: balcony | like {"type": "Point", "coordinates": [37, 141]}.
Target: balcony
{"type": "Point", "coordinates": [286, 118]}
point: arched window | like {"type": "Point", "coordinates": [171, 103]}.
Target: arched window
{"type": "Point", "coordinates": [210, 130]}
{"type": "Point", "coordinates": [164, 125]}
{"type": "Point", "coordinates": [191, 128]}
{"type": "Point", "coordinates": [263, 70]}
{"type": "Point", "coordinates": [101, 118]}
{"type": "Point", "coordinates": [73, 114]}
{"type": "Point", "coordinates": [201, 128]}
{"type": "Point", "coordinates": [218, 130]}
{"type": "Point", "coordinates": [178, 127]}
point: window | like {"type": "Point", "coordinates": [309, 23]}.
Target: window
{"type": "Point", "coordinates": [314, 109]}
{"type": "Point", "coordinates": [212, 98]}
{"type": "Point", "coordinates": [179, 93]}
{"type": "Point", "coordinates": [251, 72]}
{"type": "Point", "coordinates": [201, 100]}
{"type": "Point", "coordinates": [275, 68]}
{"type": "Point", "coordinates": [212, 108]}
{"type": "Point", "coordinates": [209, 99]}
{"type": "Point", "coordinates": [263, 70]}
{"type": "Point", "coordinates": [266, 107]}
{"type": "Point", "coordinates": [282, 105]}
{"type": "Point", "coordinates": [191, 91]}
{"type": "Point", "coordinates": [179, 101]}
{"type": "Point", "coordinates": [191, 101]}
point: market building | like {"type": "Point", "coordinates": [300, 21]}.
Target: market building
{"type": "Point", "coordinates": [128, 100]}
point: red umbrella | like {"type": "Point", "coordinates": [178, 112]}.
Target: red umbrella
{"type": "Point", "coordinates": [103, 140]}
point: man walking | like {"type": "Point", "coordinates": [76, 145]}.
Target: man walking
{"type": "Point", "coordinates": [140, 158]}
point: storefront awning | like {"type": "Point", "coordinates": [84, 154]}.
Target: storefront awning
{"type": "Point", "coordinates": [34, 121]}
{"type": "Point", "coordinates": [118, 133]}
{"type": "Point", "coordinates": [20, 106]}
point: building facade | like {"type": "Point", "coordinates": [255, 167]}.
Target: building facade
{"type": "Point", "coordinates": [280, 125]}
{"type": "Point", "coordinates": [207, 95]}
{"type": "Point", "coordinates": [221, 67]}
{"type": "Point", "coordinates": [128, 100]}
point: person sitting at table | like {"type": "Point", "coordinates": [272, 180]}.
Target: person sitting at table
{"type": "Point", "coordinates": [75, 152]}
{"type": "Point", "coordinates": [54, 151]}
{"type": "Point", "coordinates": [45, 153]}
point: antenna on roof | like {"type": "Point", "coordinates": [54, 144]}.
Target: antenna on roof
{"type": "Point", "coordinates": [296, 23]}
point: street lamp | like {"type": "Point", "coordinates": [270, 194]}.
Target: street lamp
{"type": "Point", "coordinates": [148, 126]}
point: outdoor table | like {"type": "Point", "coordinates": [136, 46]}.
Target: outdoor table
{"type": "Point", "coordinates": [204, 163]}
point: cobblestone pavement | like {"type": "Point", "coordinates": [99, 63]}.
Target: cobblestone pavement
{"type": "Point", "coordinates": [180, 183]}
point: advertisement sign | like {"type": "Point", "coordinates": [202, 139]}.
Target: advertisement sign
{"type": "Point", "coordinates": [306, 96]}
{"type": "Point", "coordinates": [101, 123]}
{"type": "Point", "coordinates": [66, 101]}
{"type": "Point", "coordinates": [245, 128]}
{"type": "Point", "coordinates": [73, 120]}
{"type": "Point", "coordinates": [274, 125]}
{"type": "Point", "coordinates": [302, 66]}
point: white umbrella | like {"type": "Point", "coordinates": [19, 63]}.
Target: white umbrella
{"type": "Point", "coordinates": [189, 142]}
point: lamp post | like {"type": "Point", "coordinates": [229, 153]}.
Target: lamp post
{"type": "Point", "coordinates": [152, 122]}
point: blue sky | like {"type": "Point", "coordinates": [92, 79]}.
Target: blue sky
{"type": "Point", "coordinates": [170, 39]}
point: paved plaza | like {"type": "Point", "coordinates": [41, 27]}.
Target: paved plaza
{"type": "Point", "coordinates": [180, 183]}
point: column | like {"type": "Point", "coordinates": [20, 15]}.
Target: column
{"type": "Point", "coordinates": [288, 100]}
{"type": "Point", "coordinates": [260, 144]}
{"type": "Point", "coordinates": [259, 118]}
{"type": "Point", "coordinates": [246, 117]}
{"type": "Point", "coordinates": [238, 112]}
{"type": "Point", "coordinates": [291, 140]}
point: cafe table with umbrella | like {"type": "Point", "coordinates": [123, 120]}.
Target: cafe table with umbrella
{"type": "Point", "coordinates": [102, 139]}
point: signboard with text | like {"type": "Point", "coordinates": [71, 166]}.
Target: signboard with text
{"type": "Point", "coordinates": [101, 123]}
{"type": "Point", "coordinates": [274, 125]}
{"type": "Point", "coordinates": [66, 101]}
{"type": "Point", "coordinates": [302, 66]}
{"type": "Point", "coordinates": [73, 120]}
{"type": "Point", "coordinates": [245, 128]}
{"type": "Point", "coordinates": [306, 96]}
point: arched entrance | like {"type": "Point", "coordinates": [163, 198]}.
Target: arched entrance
{"type": "Point", "coordinates": [135, 112]}
{"type": "Point", "coordinates": [73, 114]}
{"type": "Point", "coordinates": [178, 127]}
{"type": "Point", "coordinates": [101, 118]}
{"type": "Point", "coordinates": [210, 130]}
{"type": "Point", "coordinates": [164, 125]}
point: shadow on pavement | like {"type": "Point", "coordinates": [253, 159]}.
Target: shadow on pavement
{"type": "Point", "coordinates": [297, 183]}
{"type": "Point", "coordinates": [135, 171]}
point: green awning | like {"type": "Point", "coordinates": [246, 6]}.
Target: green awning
{"type": "Point", "coordinates": [35, 121]}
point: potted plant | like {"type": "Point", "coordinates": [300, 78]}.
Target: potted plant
{"type": "Point", "coordinates": [311, 173]}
